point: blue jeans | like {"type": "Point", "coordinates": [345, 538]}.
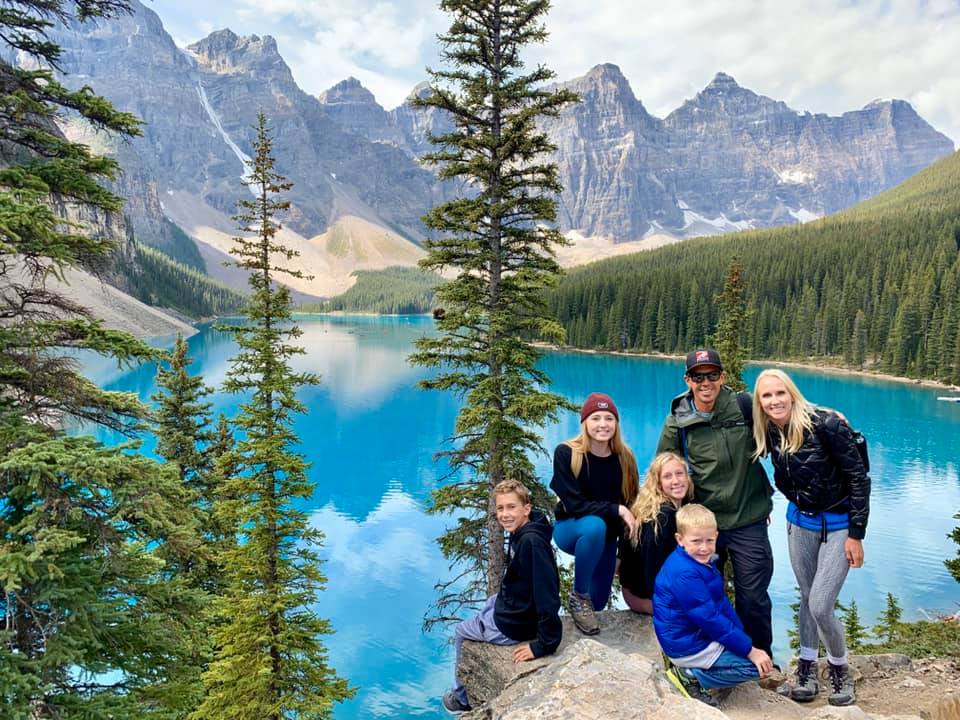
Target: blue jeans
{"type": "Point", "coordinates": [594, 559]}
{"type": "Point", "coordinates": [727, 671]}
{"type": "Point", "coordinates": [480, 628]}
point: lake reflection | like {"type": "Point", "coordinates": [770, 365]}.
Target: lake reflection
{"type": "Point", "coordinates": [371, 436]}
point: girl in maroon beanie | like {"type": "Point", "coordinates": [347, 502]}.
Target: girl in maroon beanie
{"type": "Point", "coordinates": [595, 478]}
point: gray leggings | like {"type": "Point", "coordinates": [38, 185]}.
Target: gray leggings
{"type": "Point", "coordinates": [820, 569]}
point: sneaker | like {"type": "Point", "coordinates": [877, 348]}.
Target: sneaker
{"type": "Point", "coordinates": [452, 703]}
{"type": "Point", "coordinates": [581, 609]}
{"type": "Point", "coordinates": [841, 683]}
{"type": "Point", "coordinates": [808, 686]}
{"type": "Point", "coordinates": [689, 687]}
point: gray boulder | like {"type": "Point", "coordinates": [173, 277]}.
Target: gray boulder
{"type": "Point", "coordinates": [589, 680]}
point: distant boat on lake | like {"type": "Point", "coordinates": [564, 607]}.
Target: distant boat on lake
{"type": "Point", "coordinates": [949, 399]}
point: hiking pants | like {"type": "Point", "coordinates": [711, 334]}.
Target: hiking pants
{"type": "Point", "coordinates": [748, 549]}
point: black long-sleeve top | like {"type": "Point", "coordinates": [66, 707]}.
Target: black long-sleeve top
{"type": "Point", "coordinates": [596, 490]}
{"type": "Point", "coordinates": [639, 565]}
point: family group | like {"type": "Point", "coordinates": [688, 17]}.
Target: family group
{"type": "Point", "coordinates": [705, 502]}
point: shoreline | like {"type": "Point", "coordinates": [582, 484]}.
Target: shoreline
{"type": "Point", "coordinates": [813, 365]}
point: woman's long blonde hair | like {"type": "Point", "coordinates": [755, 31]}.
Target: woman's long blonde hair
{"type": "Point", "coordinates": [646, 508]}
{"type": "Point", "coordinates": [630, 481]}
{"type": "Point", "coordinates": [798, 425]}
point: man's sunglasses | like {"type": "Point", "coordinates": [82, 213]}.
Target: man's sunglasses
{"type": "Point", "coordinates": [712, 376]}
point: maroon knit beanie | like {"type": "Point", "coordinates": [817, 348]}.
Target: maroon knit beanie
{"type": "Point", "coordinates": [598, 401]}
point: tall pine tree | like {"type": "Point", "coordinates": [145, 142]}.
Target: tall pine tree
{"type": "Point", "coordinates": [270, 661]}
{"type": "Point", "coordinates": [732, 325]}
{"type": "Point", "coordinates": [90, 623]}
{"type": "Point", "coordinates": [495, 238]}
{"type": "Point", "coordinates": [183, 420]}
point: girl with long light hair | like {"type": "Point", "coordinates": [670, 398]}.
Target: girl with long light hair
{"type": "Point", "coordinates": [817, 466]}
{"type": "Point", "coordinates": [595, 478]}
{"type": "Point", "coordinates": [665, 489]}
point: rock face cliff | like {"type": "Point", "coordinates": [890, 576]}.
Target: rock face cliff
{"type": "Point", "coordinates": [199, 106]}
{"type": "Point", "coordinates": [726, 159]}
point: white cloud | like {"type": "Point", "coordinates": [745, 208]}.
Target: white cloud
{"type": "Point", "coordinates": [826, 56]}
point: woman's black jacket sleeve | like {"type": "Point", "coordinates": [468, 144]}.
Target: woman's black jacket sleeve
{"type": "Point", "coordinates": [839, 442]}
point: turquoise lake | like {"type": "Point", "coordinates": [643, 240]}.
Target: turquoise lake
{"type": "Point", "coordinates": [371, 434]}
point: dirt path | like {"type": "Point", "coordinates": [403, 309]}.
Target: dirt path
{"type": "Point", "coordinates": [887, 687]}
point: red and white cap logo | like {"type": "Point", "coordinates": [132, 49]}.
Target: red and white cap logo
{"type": "Point", "coordinates": [703, 356]}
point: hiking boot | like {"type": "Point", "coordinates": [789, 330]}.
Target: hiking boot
{"type": "Point", "coordinates": [690, 687]}
{"type": "Point", "coordinates": [841, 685]}
{"type": "Point", "coordinates": [807, 686]}
{"type": "Point", "coordinates": [454, 704]}
{"type": "Point", "coordinates": [581, 610]}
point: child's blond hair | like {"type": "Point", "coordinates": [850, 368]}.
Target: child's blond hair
{"type": "Point", "coordinates": [695, 516]}
{"type": "Point", "coordinates": [513, 486]}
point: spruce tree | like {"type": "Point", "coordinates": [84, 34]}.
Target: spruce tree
{"type": "Point", "coordinates": [91, 625]}
{"type": "Point", "coordinates": [732, 325]}
{"type": "Point", "coordinates": [889, 625]}
{"type": "Point", "coordinates": [953, 565]}
{"type": "Point", "coordinates": [183, 420]}
{"type": "Point", "coordinates": [270, 663]}
{"type": "Point", "coordinates": [495, 237]}
{"type": "Point", "coordinates": [856, 633]}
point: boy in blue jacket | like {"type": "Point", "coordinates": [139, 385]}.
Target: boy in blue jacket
{"type": "Point", "coordinates": [526, 611]}
{"type": "Point", "coordinates": [695, 623]}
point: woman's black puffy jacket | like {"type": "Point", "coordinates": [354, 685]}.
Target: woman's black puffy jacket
{"type": "Point", "coordinates": [826, 473]}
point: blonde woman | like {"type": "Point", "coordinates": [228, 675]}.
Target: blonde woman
{"type": "Point", "coordinates": [595, 478]}
{"type": "Point", "coordinates": [818, 467]}
{"type": "Point", "coordinates": [666, 488]}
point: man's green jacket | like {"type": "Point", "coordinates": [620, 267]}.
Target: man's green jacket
{"type": "Point", "coordinates": [719, 450]}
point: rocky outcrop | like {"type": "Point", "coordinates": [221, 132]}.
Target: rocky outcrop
{"type": "Point", "coordinates": [487, 669]}
{"type": "Point", "coordinates": [619, 673]}
{"type": "Point", "coordinates": [590, 681]}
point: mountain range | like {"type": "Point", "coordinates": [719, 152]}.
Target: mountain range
{"type": "Point", "coordinates": [726, 159]}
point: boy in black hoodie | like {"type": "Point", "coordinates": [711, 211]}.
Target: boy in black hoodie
{"type": "Point", "coordinates": [526, 611]}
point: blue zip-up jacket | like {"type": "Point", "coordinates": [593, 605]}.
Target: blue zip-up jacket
{"type": "Point", "coordinates": [691, 610]}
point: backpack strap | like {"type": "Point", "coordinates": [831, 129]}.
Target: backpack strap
{"type": "Point", "coordinates": [686, 450]}
{"type": "Point", "coordinates": [746, 407]}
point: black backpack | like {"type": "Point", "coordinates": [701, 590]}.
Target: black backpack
{"type": "Point", "coordinates": [859, 441]}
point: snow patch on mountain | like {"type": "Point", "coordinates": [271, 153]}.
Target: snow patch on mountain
{"type": "Point", "coordinates": [794, 176]}
{"type": "Point", "coordinates": [803, 215]}
{"type": "Point", "coordinates": [215, 119]}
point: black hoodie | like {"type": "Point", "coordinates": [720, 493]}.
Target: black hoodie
{"type": "Point", "coordinates": [528, 604]}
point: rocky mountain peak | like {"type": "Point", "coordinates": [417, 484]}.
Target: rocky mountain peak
{"type": "Point", "coordinates": [724, 97]}
{"type": "Point", "coordinates": [605, 90]}
{"type": "Point", "coordinates": [349, 91]}
{"type": "Point", "coordinates": [224, 52]}
{"type": "Point", "coordinates": [722, 83]}
{"type": "Point", "coordinates": [420, 90]}
{"type": "Point", "coordinates": [606, 76]}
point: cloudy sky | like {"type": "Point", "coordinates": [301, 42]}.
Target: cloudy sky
{"type": "Point", "coordinates": [824, 56]}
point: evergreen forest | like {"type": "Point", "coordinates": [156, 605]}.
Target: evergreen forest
{"type": "Point", "coordinates": [874, 287]}
{"type": "Point", "coordinates": [154, 278]}
{"type": "Point", "coordinates": [393, 291]}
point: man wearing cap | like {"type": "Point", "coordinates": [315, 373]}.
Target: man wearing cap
{"type": "Point", "coordinates": [710, 426]}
